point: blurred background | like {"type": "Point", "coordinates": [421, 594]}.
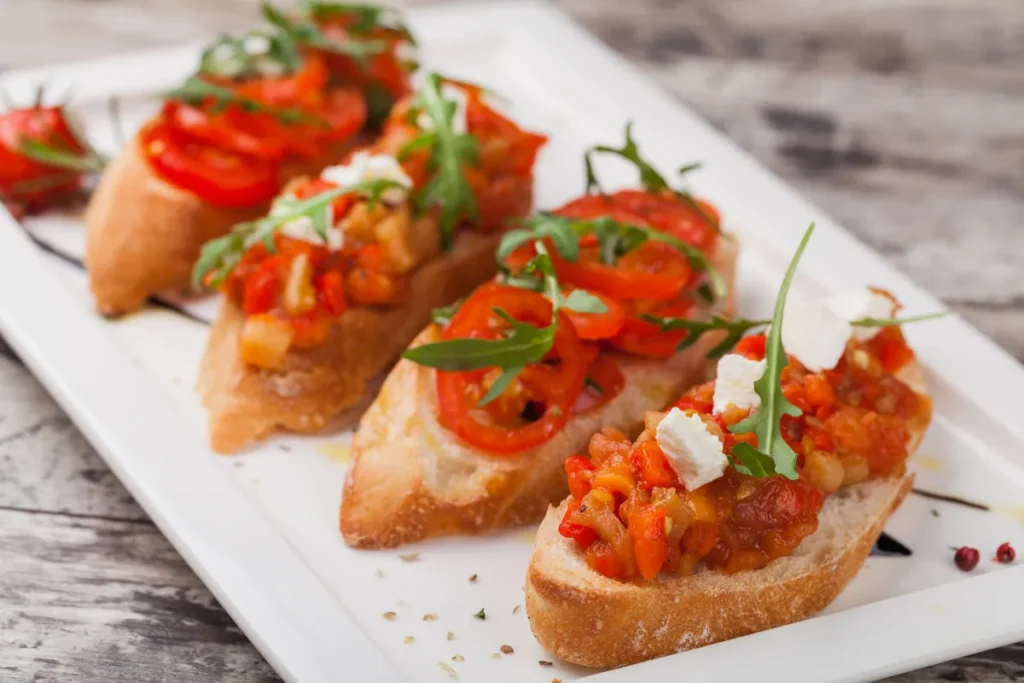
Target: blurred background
{"type": "Point", "coordinates": [903, 119]}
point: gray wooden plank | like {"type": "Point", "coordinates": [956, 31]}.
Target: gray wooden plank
{"type": "Point", "coordinates": [94, 600]}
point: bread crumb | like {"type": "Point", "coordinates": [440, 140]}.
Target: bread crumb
{"type": "Point", "coordinates": [507, 649]}
{"type": "Point", "coordinates": [556, 680]}
{"type": "Point", "coordinates": [379, 573]}
{"type": "Point", "coordinates": [458, 658]}
{"type": "Point", "coordinates": [451, 635]}
{"type": "Point", "coordinates": [390, 616]}
{"type": "Point", "coordinates": [495, 655]}
{"type": "Point", "coordinates": [545, 663]}
{"type": "Point", "coordinates": [430, 616]}
{"type": "Point", "coordinates": [408, 640]}
{"type": "Point", "coordinates": [409, 557]}
{"type": "Point", "coordinates": [515, 609]}
{"type": "Point", "coordinates": [472, 579]}
{"type": "Point", "coordinates": [450, 671]}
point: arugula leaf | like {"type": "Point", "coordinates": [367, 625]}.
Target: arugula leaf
{"type": "Point", "coordinates": [309, 33]}
{"type": "Point", "coordinates": [615, 239]}
{"type": "Point", "coordinates": [61, 157]}
{"type": "Point", "coordinates": [197, 92]}
{"type": "Point", "coordinates": [735, 328]}
{"type": "Point", "coordinates": [752, 461]}
{"type": "Point", "coordinates": [442, 315]}
{"type": "Point", "coordinates": [649, 177]}
{"type": "Point", "coordinates": [566, 241]}
{"type": "Point", "coordinates": [219, 257]}
{"type": "Point", "coordinates": [582, 301]}
{"type": "Point", "coordinates": [447, 187]}
{"type": "Point", "coordinates": [525, 344]}
{"type": "Point", "coordinates": [500, 385]}
{"type": "Point", "coordinates": [368, 18]}
{"type": "Point", "coordinates": [765, 422]}
{"type": "Point", "coordinates": [892, 322]}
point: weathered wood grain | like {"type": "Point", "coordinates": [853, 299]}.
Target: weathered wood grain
{"type": "Point", "coordinates": [904, 120]}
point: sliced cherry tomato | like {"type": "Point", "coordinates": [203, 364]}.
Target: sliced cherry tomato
{"type": "Point", "coordinates": [330, 292]}
{"type": "Point", "coordinates": [604, 382]}
{"type": "Point", "coordinates": [552, 385]}
{"type": "Point", "coordinates": [485, 123]}
{"type": "Point", "coordinates": [654, 271]}
{"type": "Point", "coordinates": [217, 176]}
{"type": "Point", "coordinates": [592, 326]}
{"type": "Point", "coordinates": [664, 212]}
{"type": "Point", "coordinates": [18, 173]}
{"type": "Point", "coordinates": [643, 338]}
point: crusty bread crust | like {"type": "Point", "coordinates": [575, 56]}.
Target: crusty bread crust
{"type": "Point", "coordinates": [246, 403]}
{"type": "Point", "coordinates": [585, 618]}
{"type": "Point", "coordinates": [411, 478]}
{"type": "Point", "coordinates": [143, 235]}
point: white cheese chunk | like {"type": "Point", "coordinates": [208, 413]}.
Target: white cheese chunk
{"type": "Point", "coordinates": [303, 229]}
{"type": "Point", "coordinates": [862, 303]}
{"type": "Point", "coordinates": [813, 333]}
{"type": "Point", "coordinates": [454, 94]}
{"type": "Point", "coordinates": [693, 453]}
{"type": "Point", "coordinates": [364, 166]}
{"type": "Point", "coordinates": [734, 384]}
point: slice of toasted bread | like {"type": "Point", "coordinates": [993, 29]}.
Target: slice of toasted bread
{"type": "Point", "coordinates": [246, 402]}
{"type": "Point", "coordinates": [586, 618]}
{"type": "Point", "coordinates": [143, 235]}
{"type": "Point", "coordinates": [411, 478]}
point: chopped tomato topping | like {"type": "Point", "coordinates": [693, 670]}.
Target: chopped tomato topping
{"type": "Point", "coordinates": [855, 425]}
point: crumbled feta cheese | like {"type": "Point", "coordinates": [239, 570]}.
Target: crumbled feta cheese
{"type": "Point", "coordinates": [813, 334]}
{"type": "Point", "coordinates": [302, 228]}
{"type": "Point", "coordinates": [364, 166]}
{"type": "Point", "coordinates": [734, 384]}
{"type": "Point", "coordinates": [457, 95]}
{"type": "Point", "coordinates": [256, 45]}
{"type": "Point", "coordinates": [694, 453]}
{"type": "Point", "coordinates": [862, 303]}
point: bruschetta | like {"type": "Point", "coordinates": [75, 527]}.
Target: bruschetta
{"type": "Point", "coordinates": [471, 429]}
{"type": "Point", "coordinates": [325, 292]}
{"type": "Point", "coordinates": [749, 505]}
{"type": "Point", "coordinates": [280, 102]}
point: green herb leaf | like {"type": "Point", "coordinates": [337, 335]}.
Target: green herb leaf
{"type": "Point", "coordinates": [481, 614]}
{"type": "Point", "coordinates": [61, 157]}
{"type": "Point", "coordinates": [774, 405]}
{"type": "Point", "coordinates": [649, 176]}
{"type": "Point", "coordinates": [752, 462]}
{"type": "Point", "coordinates": [734, 328]}
{"type": "Point", "coordinates": [368, 18]}
{"type": "Point", "coordinates": [198, 92]}
{"type": "Point", "coordinates": [525, 344]}
{"type": "Point", "coordinates": [543, 225]}
{"type": "Point", "coordinates": [305, 32]}
{"type": "Point", "coordinates": [220, 256]}
{"type": "Point", "coordinates": [892, 322]}
{"type": "Point", "coordinates": [500, 385]}
{"type": "Point", "coordinates": [582, 301]}
{"type": "Point", "coordinates": [447, 187]}
{"type": "Point", "coordinates": [442, 315]}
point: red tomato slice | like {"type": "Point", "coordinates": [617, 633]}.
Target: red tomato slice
{"type": "Point", "coordinates": [591, 326]}
{"type": "Point", "coordinates": [45, 124]}
{"type": "Point", "coordinates": [551, 386]}
{"type": "Point", "coordinates": [653, 271]}
{"type": "Point", "coordinates": [644, 338]}
{"type": "Point", "coordinates": [664, 212]}
{"type": "Point", "coordinates": [215, 175]}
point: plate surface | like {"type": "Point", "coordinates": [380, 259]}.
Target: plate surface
{"type": "Point", "coordinates": [261, 529]}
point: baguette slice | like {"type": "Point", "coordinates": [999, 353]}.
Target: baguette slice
{"type": "Point", "coordinates": [143, 235]}
{"type": "Point", "coordinates": [585, 618]}
{"type": "Point", "coordinates": [411, 478]}
{"type": "Point", "coordinates": [246, 402]}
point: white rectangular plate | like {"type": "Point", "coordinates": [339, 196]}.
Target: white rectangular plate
{"type": "Point", "coordinates": [261, 531]}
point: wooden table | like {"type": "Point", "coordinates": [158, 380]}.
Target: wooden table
{"type": "Point", "coordinates": [903, 119]}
